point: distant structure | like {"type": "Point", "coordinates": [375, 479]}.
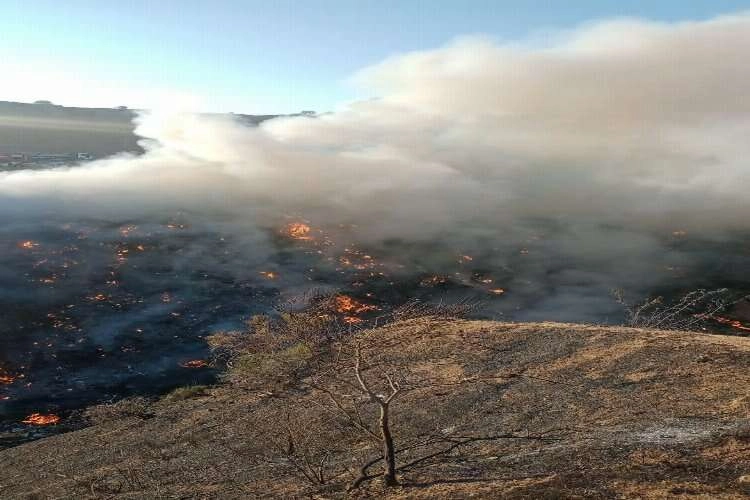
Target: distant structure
{"type": "Point", "coordinates": [308, 113]}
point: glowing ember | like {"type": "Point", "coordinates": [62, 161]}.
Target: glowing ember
{"type": "Point", "coordinates": [433, 281]}
{"type": "Point", "coordinates": [496, 291]}
{"type": "Point", "coordinates": [352, 320]}
{"type": "Point", "coordinates": [738, 325]}
{"type": "Point", "coordinates": [269, 275]}
{"type": "Point", "coordinates": [28, 245]}
{"type": "Point", "coordinates": [350, 306]}
{"type": "Point", "coordinates": [41, 419]}
{"type": "Point", "coordinates": [6, 379]}
{"type": "Point", "coordinates": [126, 230]}
{"type": "Point", "coordinates": [298, 231]}
{"type": "Point", "coordinates": [195, 363]}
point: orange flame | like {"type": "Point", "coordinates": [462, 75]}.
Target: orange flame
{"type": "Point", "coordinates": [433, 281]}
{"type": "Point", "coordinates": [41, 419]}
{"type": "Point", "coordinates": [736, 324]}
{"type": "Point", "coordinates": [28, 245]}
{"type": "Point", "coordinates": [496, 291]}
{"type": "Point", "coordinates": [346, 304]}
{"type": "Point", "coordinates": [298, 231]}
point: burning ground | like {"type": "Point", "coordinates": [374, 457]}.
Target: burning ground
{"type": "Point", "coordinates": [96, 311]}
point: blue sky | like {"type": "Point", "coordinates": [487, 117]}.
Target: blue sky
{"type": "Point", "coordinates": [260, 56]}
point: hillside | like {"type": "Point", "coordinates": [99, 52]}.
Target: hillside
{"type": "Point", "coordinates": [493, 410]}
{"type": "Point", "coordinates": [49, 128]}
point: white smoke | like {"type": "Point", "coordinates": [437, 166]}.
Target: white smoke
{"type": "Point", "coordinates": [625, 120]}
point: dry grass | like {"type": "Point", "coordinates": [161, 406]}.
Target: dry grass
{"type": "Point", "coordinates": [631, 414]}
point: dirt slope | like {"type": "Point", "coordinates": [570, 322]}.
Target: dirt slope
{"type": "Point", "coordinates": [618, 413]}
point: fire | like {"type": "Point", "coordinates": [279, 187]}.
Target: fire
{"type": "Point", "coordinates": [496, 291]}
{"type": "Point", "coordinates": [298, 231]}
{"type": "Point", "coordinates": [126, 230]}
{"type": "Point", "coordinates": [6, 379]}
{"type": "Point", "coordinates": [346, 304]}
{"type": "Point", "coordinates": [269, 275]}
{"type": "Point", "coordinates": [433, 281]}
{"type": "Point", "coordinates": [350, 309]}
{"type": "Point", "coordinates": [736, 324]}
{"type": "Point", "coordinates": [195, 363]}
{"type": "Point", "coordinates": [41, 419]}
{"type": "Point", "coordinates": [28, 245]}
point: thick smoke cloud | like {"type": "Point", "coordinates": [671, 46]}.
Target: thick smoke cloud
{"type": "Point", "coordinates": [639, 123]}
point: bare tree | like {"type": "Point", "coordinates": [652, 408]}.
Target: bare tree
{"type": "Point", "coordinates": [383, 401]}
{"type": "Point", "coordinates": [351, 384]}
{"type": "Point", "coordinates": [383, 435]}
{"type": "Point", "coordinates": [350, 388]}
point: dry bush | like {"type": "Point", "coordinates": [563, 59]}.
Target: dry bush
{"type": "Point", "coordinates": [690, 312]}
{"type": "Point", "coordinates": [268, 369]}
{"type": "Point", "coordinates": [137, 407]}
{"type": "Point", "coordinates": [275, 351]}
{"type": "Point", "coordinates": [417, 309]}
{"type": "Point", "coordinates": [187, 392]}
{"type": "Point", "coordinates": [303, 440]}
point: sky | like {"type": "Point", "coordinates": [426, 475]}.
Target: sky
{"type": "Point", "coordinates": [260, 56]}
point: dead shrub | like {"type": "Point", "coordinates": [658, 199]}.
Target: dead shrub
{"type": "Point", "coordinates": [187, 392]}
{"type": "Point", "coordinates": [687, 313]}
{"type": "Point", "coordinates": [137, 407]}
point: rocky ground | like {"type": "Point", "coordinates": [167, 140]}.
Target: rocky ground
{"type": "Point", "coordinates": [487, 410]}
